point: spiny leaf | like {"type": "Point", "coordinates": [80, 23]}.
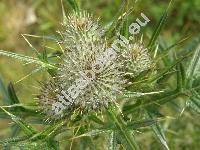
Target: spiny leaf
{"type": "Point", "coordinates": [194, 102]}
{"type": "Point", "coordinates": [193, 67]}
{"type": "Point", "coordinates": [181, 77]}
{"type": "Point", "coordinates": [13, 140]}
{"type": "Point", "coordinates": [49, 131]}
{"type": "Point", "coordinates": [112, 143]}
{"type": "Point", "coordinates": [19, 57]}
{"type": "Point", "coordinates": [166, 51]}
{"type": "Point", "coordinates": [158, 131]}
{"type": "Point", "coordinates": [26, 59]}
{"type": "Point", "coordinates": [121, 126]}
{"type": "Point", "coordinates": [28, 130]}
{"type": "Point", "coordinates": [179, 60]}
{"type": "Point", "coordinates": [93, 133]}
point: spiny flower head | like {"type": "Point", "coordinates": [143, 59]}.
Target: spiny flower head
{"type": "Point", "coordinates": [49, 96]}
{"type": "Point", "coordinates": [136, 59]}
{"type": "Point", "coordinates": [91, 75]}
{"type": "Point", "coordinates": [80, 28]}
{"type": "Point", "coordinates": [89, 72]}
{"type": "Point", "coordinates": [100, 82]}
{"type": "Point", "coordinates": [86, 78]}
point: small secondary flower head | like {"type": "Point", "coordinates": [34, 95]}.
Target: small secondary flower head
{"type": "Point", "coordinates": [136, 59]}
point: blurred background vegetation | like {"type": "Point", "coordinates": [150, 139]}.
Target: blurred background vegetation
{"type": "Point", "coordinates": [43, 17]}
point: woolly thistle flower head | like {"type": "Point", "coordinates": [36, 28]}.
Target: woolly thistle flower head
{"type": "Point", "coordinates": [86, 77]}
{"type": "Point", "coordinates": [91, 75]}
{"type": "Point", "coordinates": [89, 79]}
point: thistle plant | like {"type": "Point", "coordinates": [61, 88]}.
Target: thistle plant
{"type": "Point", "coordinates": [98, 94]}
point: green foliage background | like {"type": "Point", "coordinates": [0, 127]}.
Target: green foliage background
{"type": "Point", "coordinates": [43, 17]}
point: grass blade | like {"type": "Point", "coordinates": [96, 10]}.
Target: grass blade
{"type": "Point", "coordinates": [12, 94]}
{"type": "Point", "coordinates": [116, 18]}
{"type": "Point", "coordinates": [4, 92]}
{"type": "Point", "coordinates": [74, 5]}
{"type": "Point", "coordinates": [159, 27]}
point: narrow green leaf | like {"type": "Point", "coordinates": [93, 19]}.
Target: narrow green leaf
{"type": "Point", "coordinates": [166, 51]}
{"type": "Point", "coordinates": [12, 94]}
{"type": "Point", "coordinates": [74, 5]}
{"type": "Point", "coordinates": [194, 104]}
{"type": "Point", "coordinates": [50, 37]}
{"type": "Point", "coordinates": [4, 92]}
{"type": "Point", "coordinates": [167, 69]}
{"type": "Point", "coordinates": [96, 119]}
{"type": "Point", "coordinates": [142, 123]}
{"type": "Point", "coordinates": [116, 18]}
{"type": "Point", "coordinates": [162, 99]}
{"type": "Point", "coordinates": [55, 54]}
{"type": "Point", "coordinates": [31, 46]}
{"type": "Point", "coordinates": [15, 130]}
{"type": "Point", "coordinates": [181, 77]}
{"type": "Point", "coordinates": [159, 27]}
